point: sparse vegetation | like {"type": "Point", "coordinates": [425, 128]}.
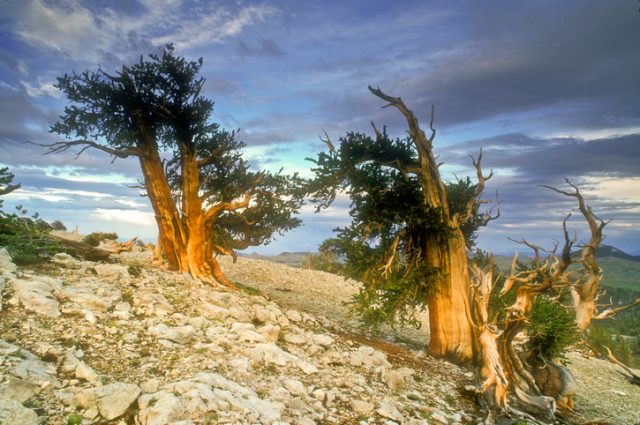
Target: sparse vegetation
{"type": "Point", "coordinates": [26, 237]}
{"type": "Point", "coordinates": [551, 329]}
{"type": "Point", "coordinates": [95, 238]}
{"type": "Point", "coordinates": [74, 419]}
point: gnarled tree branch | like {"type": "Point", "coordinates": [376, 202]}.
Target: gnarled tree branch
{"type": "Point", "coordinates": [86, 144]}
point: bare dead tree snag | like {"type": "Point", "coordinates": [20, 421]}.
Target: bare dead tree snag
{"type": "Point", "coordinates": [513, 380]}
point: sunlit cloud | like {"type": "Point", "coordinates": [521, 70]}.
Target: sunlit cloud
{"type": "Point", "coordinates": [124, 216]}
{"type": "Point", "coordinates": [27, 195]}
{"type": "Point", "coordinates": [624, 188]}
{"type": "Point", "coordinates": [79, 174]}
{"type": "Point", "coordinates": [41, 89]}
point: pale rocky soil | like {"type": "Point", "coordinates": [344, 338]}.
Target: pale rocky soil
{"type": "Point", "coordinates": [124, 343]}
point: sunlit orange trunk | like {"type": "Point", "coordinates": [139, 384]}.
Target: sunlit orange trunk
{"type": "Point", "coordinates": [451, 332]}
{"type": "Point", "coordinates": [200, 261]}
{"type": "Point", "coordinates": [170, 233]}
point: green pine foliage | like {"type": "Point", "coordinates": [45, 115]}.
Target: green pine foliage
{"type": "Point", "coordinates": [391, 223]}
{"type": "Point", "coordinates": [327, 259]}
{"type": "Point", "coordinates": [6, 183]}
{"type": "Point", "coordinates": [551, 328]}
{"type": "Point", "coordinates": [26, 238]}
{"type": "Point", "coordinates": [95, 238]}
{"type": "Point", "coordinates": [158, 102]}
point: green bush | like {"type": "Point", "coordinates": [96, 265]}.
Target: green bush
{"type": "Point", "coordinates": [625, 350]}
{"type": "Point", "coordinates": [327, 259]}
{"type": "Point", "coordinates": [74, 419]}
{"type": "Point", "coordinates": [58, 225]}
{"type": "Point", "coordinates": [26, 238]}
{"type": "Point", "coordinates": [551, 329]}
{"type": "Point", "coordinates": [95, 238]}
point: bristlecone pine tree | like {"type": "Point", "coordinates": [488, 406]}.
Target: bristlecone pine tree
{"type": "Point", "coordinates": [205, 198]}
{"type": "Point", "coordinates": [409, 241]}
{"type": "Point", "coordinates": [410, 230]}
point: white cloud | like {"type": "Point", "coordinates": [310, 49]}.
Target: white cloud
{"type": "Point", "coordinates": [90, 34]}
{"type": "Point", "coordinates": [619, 189]}
{"type": "Point", "coordinates": [212, 27]}
{"type": "Point", "coordinates": [50, 194]}
{"type": "Point", "coordinates": [27, 195]}
{"type": "Point", "coordinates": [124, 216]}
{"type": "Point", "coordinates": [598, 134]}
{"type": "Point", "coordinates": [41, 89]}
{"type": "Point", "coordinates": [83, 175]}
{"type": "Point", "coordinates": [54, 26]}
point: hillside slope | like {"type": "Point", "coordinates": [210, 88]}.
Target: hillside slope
{"type": "Point", "coordinates": [122, 344]}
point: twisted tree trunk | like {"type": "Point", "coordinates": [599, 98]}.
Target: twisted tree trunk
{"type": "Point", "coordinates": [451, 332]}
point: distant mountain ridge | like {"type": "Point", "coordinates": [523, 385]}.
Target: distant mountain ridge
{"type": "Point", "coordinates": [621, 270]}
{"type": "Point", "coordinates": [611, 251]}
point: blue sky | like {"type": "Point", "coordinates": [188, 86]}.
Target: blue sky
{"type": "Point", "coordinates": [548, 88]}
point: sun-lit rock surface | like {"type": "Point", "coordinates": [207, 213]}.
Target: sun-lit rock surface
{"type": "Point", "coordinates": [154, 348]}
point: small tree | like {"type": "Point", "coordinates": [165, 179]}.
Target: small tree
{"type": "Point", "coordinates": [6, 183]}
{"type": "Point", "coordinates": [206, 201]}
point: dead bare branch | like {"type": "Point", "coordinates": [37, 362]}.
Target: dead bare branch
{"type": "Point", "coordinates": [327, 140]}
{"type": "Point", "coordinates": [613, 311]}
{"type": "Point", "coordinates": [58, 147]}
{"type": "Point", "coordinates": [629, 373]}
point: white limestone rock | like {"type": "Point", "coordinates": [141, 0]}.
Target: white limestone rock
{"type": "Point", "coordinates": [111, 400]}
{"type": "Point", "coordinates": [270, 332]}
{"type": "Point", "coordinates": [6, 263]}
{"type": "Point", "coordinates": [17, 389]}
{"type": "Point", "coordinates": [35, 371]}
{"type": "Point", "coordinates": [294, 316]}
{"type": "Point", "coordinates": [263, 314]}
{"type": "Point", "coordinates": [388, 410]}
{"type": "Point", "coordinates": [67, 261]}
{"type": "Point", "coordinates": [152, 303]}
{"type": "Point", "coordinates": [323, 340]}
{"type": "Point", "coordinates": [112, 270]}
{"type": "Point", "coordinates": [395, 378]}
{"type": "Point", "coordinates": [160, 408]}
{"type": "Point", "coordinates": [295, 339]}
{"type": "Point", "coordinates": [37, 295]}
{"type": "Point", "coordinates": [368, 357]}
{"type": "Point", "coordinates": [294, 386]}
{"type": "Point", "coordinates": [361, 407]}
{"type": "Point", "coordinates": [177, 334]}
{"type": "Point", "coordinates": [93, 294]}
{"type": "Point", "coordinates": [14, 413]}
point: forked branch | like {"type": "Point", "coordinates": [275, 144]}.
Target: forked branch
{"type": "Point", "coordinates": [423, 144]}
{"type": "Point", "coordinates": [327, 141]}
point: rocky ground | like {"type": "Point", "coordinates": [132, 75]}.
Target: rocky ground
{"type": "Point", "coordinates": [124, 343]}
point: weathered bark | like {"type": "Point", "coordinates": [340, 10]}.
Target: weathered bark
{"type": "Point", "coordinates": [171, 236]}
{"type": "Point", "coordinates": [91, 253]}
{"type": "Point", "coordinates": [193, 216]}
{"type": "Point", "coordinates": [585, 294]}
{"type": "Point", "coordinates": [451, 331]}
{"type": "Point", "coordinates": [534, 387]}
{"type": "Point", "coordinates": [507, 385]}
